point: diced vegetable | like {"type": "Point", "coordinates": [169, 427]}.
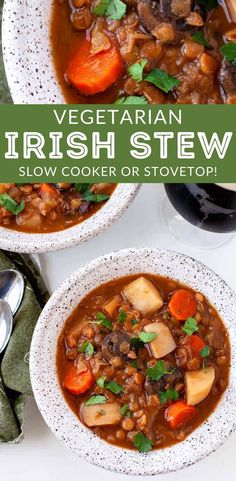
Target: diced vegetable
{"type": "Point", "coordinates": [111, 306]}
{"type": "Point", "coordinates": [196, 344]}
{"type": "Point", "coordinates": [48, 189]}
{"type": "Point", "coordinates": [143, 295]}
{"type": "Point", "coordinates": [182, 304]}
{"type": "Point", "coordinates": [101, 414]}
{"type": "Point", "coordinates": [179, 413]}
{"type": "Point", "coordinates": [92, 74]}
{"type": "Point", "coordinates": [199, 384]}
{"type": "Point", "coordinates": [164, 342]}
{"type": "Point", "coordinates": [78, 382]}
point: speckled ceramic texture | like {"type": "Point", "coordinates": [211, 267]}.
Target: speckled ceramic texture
{"type": "Point", "coordinates": [63, 422]}
{"type": "Point", "coordinates": [27, 52]}
{"type": "Point", "coordinates": [119, 201]}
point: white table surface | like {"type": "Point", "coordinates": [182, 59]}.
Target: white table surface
{"type": "Point", "coordinates": [41, 457]}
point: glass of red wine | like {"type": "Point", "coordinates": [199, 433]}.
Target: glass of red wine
{"type": "Point", "coordinates": [203, 215]}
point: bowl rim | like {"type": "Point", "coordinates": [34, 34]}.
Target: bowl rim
{"type": "Point", "coordinates": [221, 423]}
{"type": "Point", "coordinates": [111, 211]}
{"type": "Point", "coordinates": [27, 50]}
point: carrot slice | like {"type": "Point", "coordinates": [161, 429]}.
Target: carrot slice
{"type": "Point", "coordinates": [179, 413]}
{"type": "Point", "coordinates": [92, 74]}
{"type": "Point", "coordinates": [196, 344]}
{"type": "Point", "coordinates": [78, 382]}
{"type": "Point", "coordinates": [182, 304]}
{"type": "Point", "coordinates": [47, 189]}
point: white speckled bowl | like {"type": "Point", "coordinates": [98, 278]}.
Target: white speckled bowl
{"type": "Point", "coordinates": [119, 201]}
{"type": "Point", "coordinates": [63, 422]}
{"type": "Point", "coordinates": [27, 52]}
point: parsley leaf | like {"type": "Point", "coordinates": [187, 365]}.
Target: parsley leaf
{"type": "Point", "coordinates": [122, 315]}
{"type": "Point", "coordinates": [142, 443]}
{"type": "Point", "coordinates": [10, 204]}
{"type": "Point", "coordinates": [229, 52]}
{"type": "Point", "coordinates": [168, 395]}
{"type": "Point", "coordinates": [205, 352]}
{"type": "Point", "coordinates": [162, 80]}
{"type": "Point", "coordinates": [116, 9]}
{"type": "Point", "coordinates": [199, 38]}
{"type": "Point", "coordinates": [134, 363]}
{"type": "Point", "coordinates": [90, 197]}
{"type": "Point", "coordinates": [190, 326]}
{"type": "Point", "coordinates": [158, 371]}
{"type": "Point", "coordinates": [136, 70]}
{"type": "Point", "coordinates": [101, 382]}
{"type": "Point", "coordinates": [87, 348]}
{"type": "Point", "coordinates": [102, 320]}
{"type": "Point", "coordinates": [100, 8]}
{"type": "Point", "coordinates": [125, 411]}
{"type": "Point", "coordinates": [134, 322]}
{"type": "Point", "coordinates": [114, 387]}
{"type": "Point", "coordinates": [82, 187]}
{"type": "Point", "coordinates": [147, 336]}
{"type": "Point", "coordinates": [96, 399]}
{"type": "Point", "coordinates": [132, 100]}
{"type": "Point", "coordinates": [136, 342]}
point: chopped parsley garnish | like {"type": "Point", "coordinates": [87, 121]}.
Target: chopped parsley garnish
{"type": "Point", "coordinates": [168, 395]}
{"type": "Point", "coordinates": [136, 342]}
{"type": "Point", "coordinates": [136, 70]}
{"type": "Point", "coordinates": [102, 320]}
{"type": "Point", "coordinates": [158, 371]}
{"type": "Point", "coordinates": [101, 382]}
{"type": "Point", "coordinates": [142, 443]}
{"type": "Point", "coordinates": [10, 204]}
{"type": "Point", "coordinates": [134, 322]}
{"type": "Point", "coordinates": [147, 336]}
{"type": "Point", "coordinates": [132, 100]}
{"type": "Point", "coordinates": [199, 38]}
{"type": "Point", "coordinates": [205, 352]}
{"type": "Point", "coordinates": [190, 326]}
{"type": "Point", "coordinates": [125, 411]}
{"type": "Point", "coordinates": [90, 197]}
{"type": "Point", "coordinates": [134, 363]}
{"type": "Point", "coordinates": [162, 80]}
{"type": "Point", "coordinates": [122, 316]}
{"type": "Point", "coordinates": [114, 387]}
{"type": "Point", "coordinates": [114, 9]}
{"type": "Point", "coordinates": [96, 399]}
{"type": "Point", "coordinates": [229, 52]}
{"type": "Point", "coordinates": [87, 348]}
{"type": "Point", "coordinates": [82, 187]}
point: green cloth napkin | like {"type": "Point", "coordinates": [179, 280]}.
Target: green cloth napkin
{"type": "Point", "coordinates": [15, 384]}
{"type": "Point", "coordinates": [5, 97]}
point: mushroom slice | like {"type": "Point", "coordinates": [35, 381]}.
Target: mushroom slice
{"type": "Point", "coordinates": [101, 414]}
{"type": "Point", "coordinates": [227, 78]}
{"type": "Point", "coordinates": [116, 344]}
{"type": "Point", "coordinates": [199, 384]}
{"type": "Point", "coordinates": [143, 295]}
{"type": "Point", "coordinates": [164, 343]}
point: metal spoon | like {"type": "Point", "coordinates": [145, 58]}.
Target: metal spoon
{"type": "Point", "coordinates": [12, 288]}
{"type": "Point", "coordinates": [11, 294]}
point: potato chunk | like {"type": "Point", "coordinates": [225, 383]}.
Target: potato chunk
{"type": "Point", "coordinates": [101, 414]}
{"type": "Point", "coordinates": [164, 343]}
{"type": "Point", "coordinates": [143, 295]}
{"type": "Point", "coordinates": [111, 306]}
{"type": "Point", "coordinates": [231, 5]}
{"type": "Point", "coordinates": [199, 384]}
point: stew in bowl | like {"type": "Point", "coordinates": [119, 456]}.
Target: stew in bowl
{"type": "Point", "coordinates": [43, 208]}
{"type": "Point", "coordinates": [140, 51]}
{"type": "Point", "coordinates": [96, 356]}
{"type": "Point", "coordinates": [143, 361]}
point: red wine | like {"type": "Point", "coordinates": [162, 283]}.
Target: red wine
{"type": "Point", "coordinates": [210, 207]}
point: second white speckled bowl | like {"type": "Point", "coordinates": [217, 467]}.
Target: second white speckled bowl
{"type": "Point", "coordinates": [63, 422]}
{"type": "Point", "coordinates": [119, 201]}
